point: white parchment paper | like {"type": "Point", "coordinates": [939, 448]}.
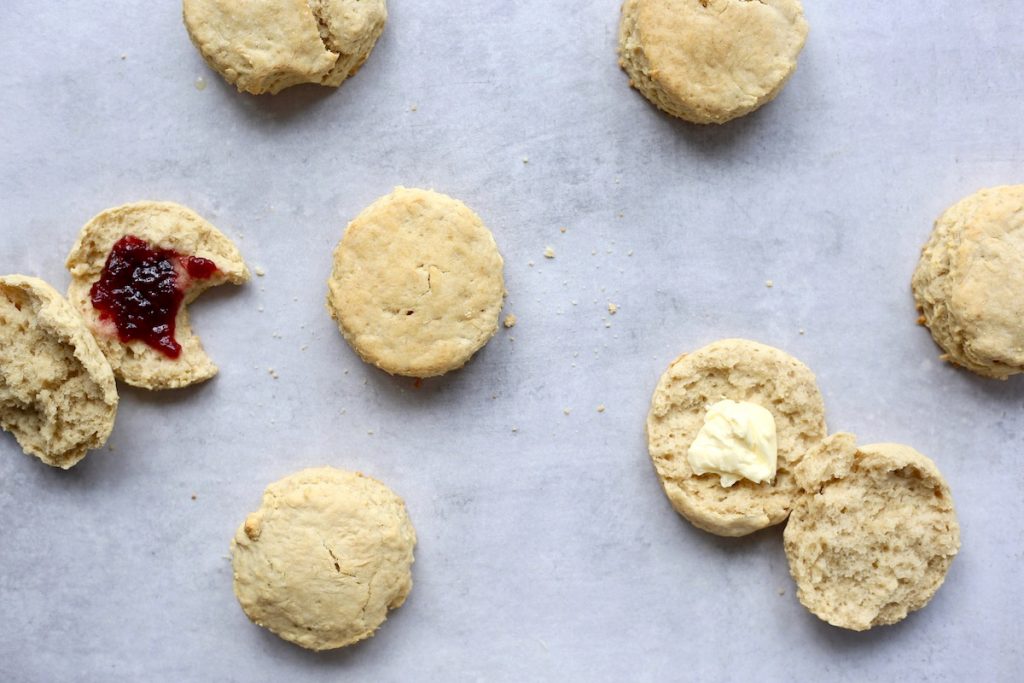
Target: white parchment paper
{"type": "Point", "coordinates": [547, 549]}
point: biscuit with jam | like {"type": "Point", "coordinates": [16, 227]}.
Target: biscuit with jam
{"type": "Point", "coordinates": [134, 270]}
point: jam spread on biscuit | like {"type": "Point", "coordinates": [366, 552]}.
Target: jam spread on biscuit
{"type": "Point", "coordinates": [141, 289]}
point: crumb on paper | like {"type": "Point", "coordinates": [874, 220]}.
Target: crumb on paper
{"type": "Point", "coordinates": [273, 373]}
{"type": "Point", "coordinates": [549, 253]}
{"type": "Point", "coordinates": [613, 308]}
{"type": "Point", "coordinates": [802, 332]}
{"type": "Point", "coordinates": [606, 322]}
{"type": "Point", "coordinates": [304, 347]}
{"type": "Point", "coordinates": [414, 107]}
{"type": "Point", "coordinates": [769, 283]}
{"type": "Point", "coordinates": [600, 408]}
{"type": "Point", "coordinates": [259, 271]}
{"type": "Point", "coordinates": [629, 253]}
{"type": "Point", "coordinates": [200, 83]}
{"type": "Point", "coordinates": [574, 303]}
{"type": "Point", "coordinates": [782, 591]}
{"type": "Point", "coordinates": [530, 263]}
{"type": "Point", "coordinates": [510, 321]}
{"type": "Point", "coordinates": [566, 411]}
{"type": "Point", "coordinates": [593, 252]}
{"type": "Point", "coordinates": [193, 496]}
{"type": "Point", "coordinates": [515, 429]}
{"type": "Point", "coordinates": [526, 160]}
{"type": "Point", "coordinates": [370, 432]}
{"type": "Point", "coordinates": [260, 308]}
{"type": "Point", "coordinates": [563, 229]}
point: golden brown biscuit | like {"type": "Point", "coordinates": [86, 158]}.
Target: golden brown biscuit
{"type": "Point", "coordinates": [325, 558]}
{"type": "Point", "coordinates": [710, 61]}
{"type": "Point", "coordinates": [265, 46]}
{"type": "Point", "coordinates": [417, 283]}
{"type": "Point", "coordinates": [969, 283]}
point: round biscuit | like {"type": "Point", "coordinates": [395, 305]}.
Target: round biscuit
{"type": "Point", "coordinates": [324, 558]}
{"type": "Point", "coordinates": [710, 61]}
{"type": "Point", "coordinates": [264, 46]}
{"type": "Point", "coordinates": [872, 536]}
{"type": "Point", "coordinates": [740, 370]}
{"type": "Point", "coordinates": [417, 284]}
{"type": "Point", "coordinates": [969, 282]}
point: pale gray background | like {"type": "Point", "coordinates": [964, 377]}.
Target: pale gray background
{"type": "Point", "coordinates": [547, 553]}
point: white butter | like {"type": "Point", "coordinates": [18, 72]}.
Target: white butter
{"type": "Point", "coordinates": [737, 441]}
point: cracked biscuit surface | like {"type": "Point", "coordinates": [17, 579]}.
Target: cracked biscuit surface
{"type": "Point", "coordinates": [57, 391]}
{"type": "Point", "coordinates": [417, 284]}
{"type": "Point", "coordinates": [969, 282]}
{"type": "Point", "coordinates": [325, 558]}
{"type": "Point", "coordinates": [162, 225]}
{"type": "Point", "coordinates": [873, 533]}
{"type": "Point", "coordinates": [710, 61]}
{"type": "Point", "coordinates": [264, 46]}
{"type": "Point", "coordinates": [739, 370]}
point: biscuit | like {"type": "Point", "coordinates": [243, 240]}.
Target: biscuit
{"type": "Point", "coordinates": [710, 61]}
{"type": "Point", "coordinates": [417, 284]}
{"type": "Point", "coordinates": [874, 534]}
{"type": "Point", "coordinates": [57, 392]}
{"type": "Point", "coordinates": [325, 557]}
{"type": "Point", "coordinates": [739, 370]}
{"type": "Point", "coordinates": [166, 227]}
{"type": "Point", "coordinates": [969, 283]}
{"type": "Point", "coordinates": [264, 46]}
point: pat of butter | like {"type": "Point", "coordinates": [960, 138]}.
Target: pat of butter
{"type": "Point", "coordinates": [736, 442]}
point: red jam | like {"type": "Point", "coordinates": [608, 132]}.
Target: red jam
{"type": "Point", "coordinates": [141, 289]}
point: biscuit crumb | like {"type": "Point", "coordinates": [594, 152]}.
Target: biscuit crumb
{"type": "Point", "coordinates": [613, 308]}
{"type": "Point", "coordinates": [629, 253]}
{"type": "Point", "coordinates": [549, 253]}
{"type": "Point", "coordinates": [526, 160]}
{"type": "Point", "coordinates": [259, 271]}
{"type": "Point", "coordinates": [802, 332]}
{"type": "Point", "coordinates": [566, 410]}
{"type": "Point", "coordinates": [530, 263]}
{"type": "Point", "coordinates": [414, 107]}
{"type": "Point", "coordinates": [510, 321]}
{"type": "Point", "coordinates": [260, 308]}
{"type": "Point", "coordinates": [193, 496]}
{"type": "Point", "coordinates": [600, 408]}
{"type": "Point", "coordinates": [782, 591]}
{"type": "Point", "coordinates": [563, 229]}
{"type": "Point", "coordinates": [273, 373]}
{"type": "Point", "coordinates": [769, 284]}
{"type": "Point", "coordinates": [515, 429]}
{"type": "Point", "coordinates": [200, 83]}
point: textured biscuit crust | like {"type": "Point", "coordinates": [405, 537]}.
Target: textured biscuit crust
{"type": "Point", "coordinates": [969, 283]}
{"type": "Point", "coordinates": [417, 284]}
{"type": "Point", "coordinates": [873, 535]}
{"type": "Point", "coordinates": [710, 61]}
{"type": "Point", "coordinates": [740, 370]}
{"type": "Point", "coordinates": [167, 226]}
{"type": "Point", "coordinates": [57, 392]}
{"type": "Point", "coordinates": [265, 46]}
{"type": "Point", "coordinates": [325, 557]}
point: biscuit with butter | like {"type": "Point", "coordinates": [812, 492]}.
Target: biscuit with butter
{"type": "Point", "coordinates": [710, 61]}
{"type": "Point", "coordinates": [134, 270]}
{"type": "Point", "coordinates": [325, 558]}
{"type": "Point", "coordinates": [264, 46]}
{"type": "Point", "coordinates": [57, 392]}
{"type": "Point", "coordinates": [729, 469]}
{"type": "Point", "coordinates": [873, 533]}
{"type": "Point", "coordinates": [417, 283]}
{"type": "Point", "coordinates": [969, 282]}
